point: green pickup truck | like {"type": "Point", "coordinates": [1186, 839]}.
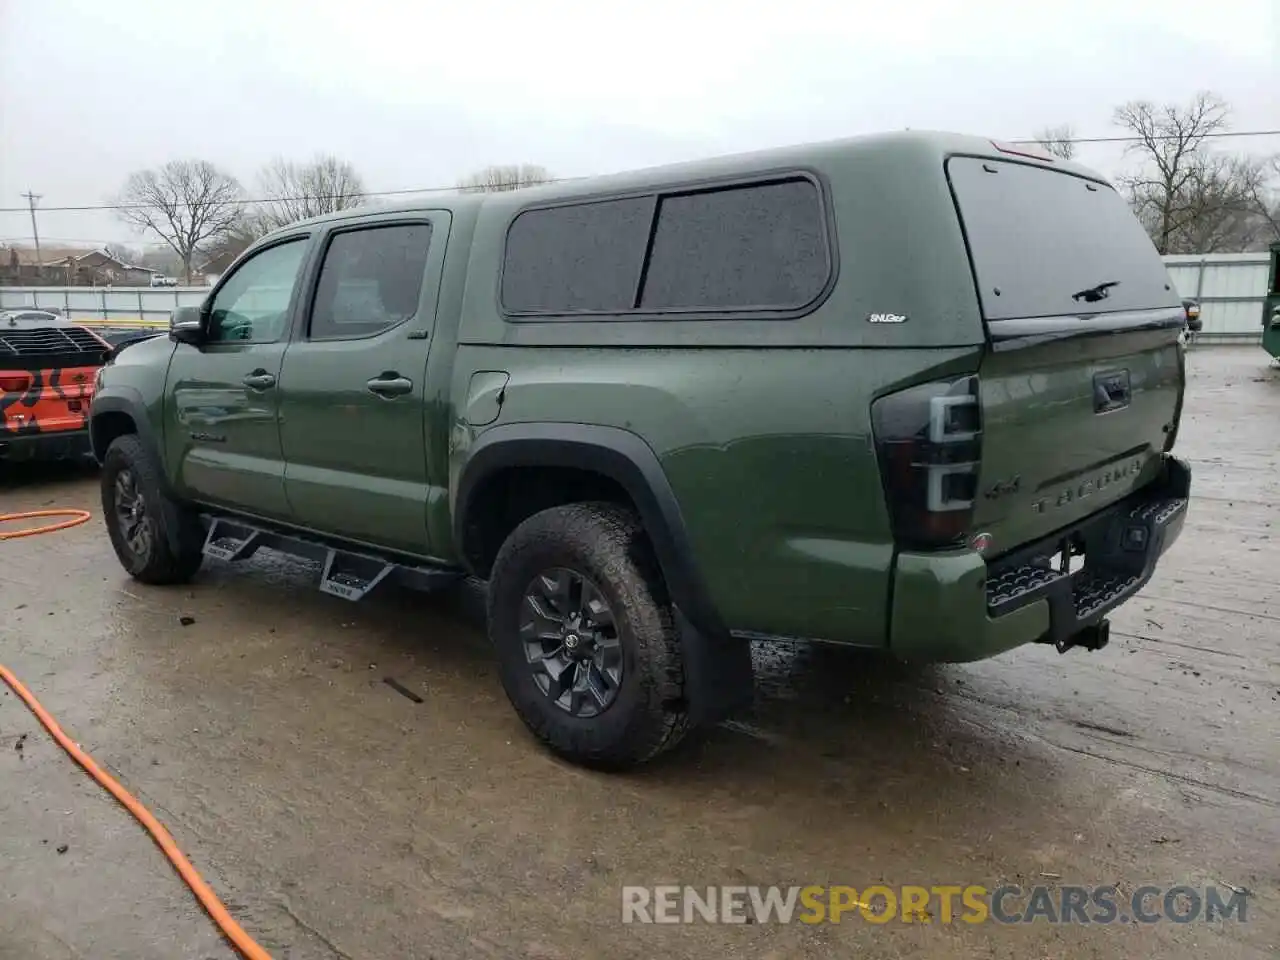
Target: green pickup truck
{"type": "Point", "coordinates": [912, 392]}
{"type": "Point", "coordinates": [1271, 305]}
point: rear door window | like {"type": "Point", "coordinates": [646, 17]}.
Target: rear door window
{"type": "Point", "coordinates": [371, 280]}
{"type": "Point", "coordinates": [1046, 243]}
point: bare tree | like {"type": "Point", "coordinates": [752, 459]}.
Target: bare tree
{"type": "Point", "coordinates": [1190, 199]}
{"type": "Point", "coordinates": [1264, 199]}
{"type": "Point", "coordinates": [186, 203]}
{"type": "Point", "coordinates": [497, 178]}
{"type": "Point", "coordinates": [126, 255]}
{"type": "Point", "coordinates": [1223, 215]}
{"type": "Point", "coordinates": [235, 241]}
{"type": "Point", "coordinates": [296, 191]}
{"type": "Point", "coordinates": [1059, 140]}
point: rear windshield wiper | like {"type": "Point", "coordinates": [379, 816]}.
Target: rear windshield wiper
{"type": "Point", "coordinates": [1094, 294]}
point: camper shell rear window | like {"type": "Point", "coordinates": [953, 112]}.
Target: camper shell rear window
{"type": "Point", "coordinates": [1046, 243]}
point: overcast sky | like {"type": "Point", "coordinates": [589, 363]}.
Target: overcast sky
{"type": "Point", "coordinates": [418, 94]}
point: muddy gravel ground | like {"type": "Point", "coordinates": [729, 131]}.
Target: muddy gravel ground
{"type": "Point", "coordinates": [338, 818]}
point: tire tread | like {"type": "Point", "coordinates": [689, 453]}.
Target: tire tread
{"type": "Point", "coordinates": [611, 538]}
{"type": "Point", "coordinates": [163, 566]}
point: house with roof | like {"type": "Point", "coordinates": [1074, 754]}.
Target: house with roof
{"type": "Point", "coordinates": [69, 266]}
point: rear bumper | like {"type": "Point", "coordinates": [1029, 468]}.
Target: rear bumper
{"type": "Point", "coordinates": [59, 445]}
{"type": "Point", "coordinates": [956, 607]}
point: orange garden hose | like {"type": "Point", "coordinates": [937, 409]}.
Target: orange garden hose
{"type": "Point", "coordinates": [208, 899]}
{"type": "Point", "coordinates": [77, 517]}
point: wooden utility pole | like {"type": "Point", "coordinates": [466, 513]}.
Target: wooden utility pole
{"type": "Point", "coordinates": [35, 232]}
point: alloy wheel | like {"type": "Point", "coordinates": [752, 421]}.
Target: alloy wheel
{"type": "Point", "coordinates": [570, 640]}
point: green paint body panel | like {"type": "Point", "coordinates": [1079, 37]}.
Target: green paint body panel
{"type": "Point", "coordinates": [782, 500]}
{"type": "Point", "coordinates": [1039, 426]}
{"type": "Point", "coordinates": [1271, 306]}
{"type": "Point", "coordinates": [940, 611]}
{"type": "Point", "coordinates": [762, 427]}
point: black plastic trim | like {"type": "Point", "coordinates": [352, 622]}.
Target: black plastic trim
{"type": "Point", "coordinates": [1016, 333]}
{"type": "Point", "coordinates": [41, 446]}
{"type": "Point", "coordinates": [213, 511]}
{"type": "Point", "coordinates": [248, 537]}
{"type": "Point", "coordinates": [128, 401]}
{"type": "Point", "coordinates": [621, 456]}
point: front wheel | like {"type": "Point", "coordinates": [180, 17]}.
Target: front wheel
{"type": "Point", "coordinates": [156, 539]}
{"type": "Point", "coordinates": [588, 651]}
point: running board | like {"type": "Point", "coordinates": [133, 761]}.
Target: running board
{"type": "Point", "coordinates": [344, 573]}
{"type": "Point", "coordinates": [350, 576]}
{"type": "Point", "coordinates": [226, 541]}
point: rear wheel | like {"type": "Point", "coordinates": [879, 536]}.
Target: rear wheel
{"type": "Point", "coordinates": [587, 648]}
{"type": "Point", "coordinates": [156, 539]}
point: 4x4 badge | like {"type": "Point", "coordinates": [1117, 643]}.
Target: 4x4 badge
{"type": "Point", "coordinates": [886, 318]}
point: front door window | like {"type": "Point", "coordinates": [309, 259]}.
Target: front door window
{"type": "Point", "coordinates": [253, 305]}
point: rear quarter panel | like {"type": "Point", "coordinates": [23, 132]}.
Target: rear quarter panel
{"type": "Point", "coordinates": [769, 454]}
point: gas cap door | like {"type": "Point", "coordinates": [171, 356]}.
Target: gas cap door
{"type": "Point", "coordinates": [485, 394]}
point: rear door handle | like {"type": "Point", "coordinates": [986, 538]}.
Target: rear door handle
{"type": "Point", "coordinates": [390, 385]}
{"type": "Point", "coordinates": [260, 380]}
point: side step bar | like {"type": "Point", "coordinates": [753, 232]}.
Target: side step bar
{"type": "Point", "coordinates": [345, 573]}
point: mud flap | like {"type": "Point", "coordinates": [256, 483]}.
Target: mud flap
{"type": "Point", "coordinates": [718, 676]}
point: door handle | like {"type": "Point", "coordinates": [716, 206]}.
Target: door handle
{"type": "Point", "coordinates": [390, 385]}
{"type": "Point", "coordinates": [259, 381]}
{"type": "Point", "coordinates": [1111, 391]}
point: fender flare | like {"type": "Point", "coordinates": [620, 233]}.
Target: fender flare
{"type": "Point", "coordinates": [612, 452]}
{"type": "Point", "coordinates": [128, 401]}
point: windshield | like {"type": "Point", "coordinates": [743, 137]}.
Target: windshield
{"type": "Point", "coordinates": [1046, 243]}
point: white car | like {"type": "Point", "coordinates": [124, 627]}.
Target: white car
{"type": "Point", "coordinates": [160, 280]}
{"type": "Point", "coordinates": [27, 315]}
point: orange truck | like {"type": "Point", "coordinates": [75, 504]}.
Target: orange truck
{"type": "Point", "coordinates": [48, 370]}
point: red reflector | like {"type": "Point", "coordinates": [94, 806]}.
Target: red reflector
{"type": "Point", "coordinates": [1023, 150]}
{"type": "Point", "coordinates": [14, 383]}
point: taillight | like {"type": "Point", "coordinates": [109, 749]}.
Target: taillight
{"type": "Point", "coordinates": [929, 441]}
{"type": "Point", "coordinates": [14, 382]}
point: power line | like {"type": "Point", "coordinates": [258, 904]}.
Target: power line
{"type": "Point", "coordinates": [97, 241]}
{"type": "Point", "coordinates": [251, 201]}
{"type": "Point", "coordinates": [448, 189]}
{"type": "Point", "coordinates": [1170, 136]}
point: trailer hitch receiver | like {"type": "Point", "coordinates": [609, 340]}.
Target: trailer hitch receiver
{"type": "Point", "coordinates": [1093, 637]}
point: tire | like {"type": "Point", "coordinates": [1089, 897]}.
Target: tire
{"type": "Point", "coordinates": [146, 549]}
{"type": "Point", "coordinates": [605, 546]}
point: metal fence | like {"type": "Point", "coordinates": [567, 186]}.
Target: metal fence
{"type": "Point", "coordinates": [116, 306]}
{"type": "Point", "coordinates": [1231, 288]}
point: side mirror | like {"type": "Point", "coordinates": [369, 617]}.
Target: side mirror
{"type": "Point", "coordinates": [186, 325]}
